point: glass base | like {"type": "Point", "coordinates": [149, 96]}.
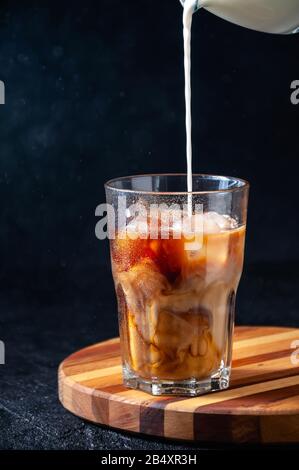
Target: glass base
{"type": "Point", "coordinates": [188, 388]}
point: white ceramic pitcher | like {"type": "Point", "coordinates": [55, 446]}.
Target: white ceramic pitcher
{"type": "Point", "coordinates": [270, 16]}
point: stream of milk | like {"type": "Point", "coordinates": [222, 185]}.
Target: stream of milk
{"type": "Point", "coordinates": [187, 23]}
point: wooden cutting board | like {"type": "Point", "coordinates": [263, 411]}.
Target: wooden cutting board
{"type": "Point", "coordinates": [261, 406]}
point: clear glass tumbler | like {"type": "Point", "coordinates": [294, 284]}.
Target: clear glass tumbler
{"type": "Point", "coordinates": [177, 259]}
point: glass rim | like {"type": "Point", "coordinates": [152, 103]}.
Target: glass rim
{"type": "Point", "coordinates": [244, 184]}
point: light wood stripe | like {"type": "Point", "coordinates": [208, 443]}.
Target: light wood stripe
{"type": "Point", "coordinates": [97, 373]}
{"type": "Point", "coordinates": [247, 332]}
{"type": "Point", "coordinates": [93, 365]}
{"type": "Point", "coordinates": [288, 335]}
{"type": "Point", "coordinates": [101, 383]}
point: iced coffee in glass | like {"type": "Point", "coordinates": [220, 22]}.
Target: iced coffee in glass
{"type": "Point", "coordinates": [176, 282]}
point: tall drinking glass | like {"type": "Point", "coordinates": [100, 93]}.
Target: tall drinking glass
{"type": "Point", "coordinates": [177, 259]}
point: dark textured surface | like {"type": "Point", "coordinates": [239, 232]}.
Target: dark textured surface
{"type": "Point", "coordinates": [94, 90]}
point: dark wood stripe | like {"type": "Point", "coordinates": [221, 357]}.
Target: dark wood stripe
{"type": "Point", "coordinates": [152, 415]}
{"type": "Point", "coordinates": [235, 429]}
{"type": "Point", "coordinates": [112, 389]}
{"type": "Point", "coordinates": [263, 399]}
{"type": "Point", "coordinates": [152, 420]}
{"type": "Point", "coordinates": [244, 361]}
{"type": "Point", "coordinates": [100, 409]}
{"type": "Point", "coordinates": [258, 376]}
{"type": "Point", "coordinates": [87, 355]}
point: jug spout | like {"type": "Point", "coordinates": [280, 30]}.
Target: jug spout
{"type": "Point", "coordinates": [270, 16]}
{"type": "Point", "coordinates": [197, 4]}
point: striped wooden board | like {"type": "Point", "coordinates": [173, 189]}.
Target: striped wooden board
{"type": "Point", "coordinates": [261, 406]}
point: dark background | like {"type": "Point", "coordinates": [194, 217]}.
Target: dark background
{"type": "Point", "coordinates": [94, 90]}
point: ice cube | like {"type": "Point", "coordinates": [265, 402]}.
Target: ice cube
{"type": "Point", "coordinates": [173, 333]}
{"type": "Point", "coordinates": [214, 222]}
{"type": "Point", "coordinates": [142, 284]}
{"type": "Point", "coordinates": [215, 299]}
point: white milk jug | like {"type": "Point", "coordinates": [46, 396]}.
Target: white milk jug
{"type": "Point", "coordinates": [270, 16]}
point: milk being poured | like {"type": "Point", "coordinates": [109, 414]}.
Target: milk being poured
{"type": "Point", "coordinates": [189, 8]}
{"type": "Point", "coordinates": [187, 23]}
